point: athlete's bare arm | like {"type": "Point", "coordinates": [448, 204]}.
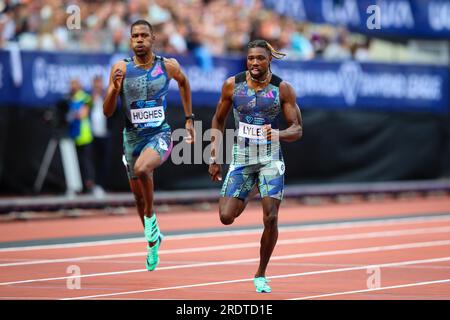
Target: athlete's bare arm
{"type": "Point", "coordinates": [115, 84]}
{"type": "Point", "coordinates": [218, 125]}
{"type": "Point", "coordinates": [291, 113]}
{"type": "Point", "coordinates": [174, 71]}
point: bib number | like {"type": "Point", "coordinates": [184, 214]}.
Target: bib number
{"type": "Point", "coordinates": [147, 113]}
{"type": "Point", "coordinates": [251, 131]}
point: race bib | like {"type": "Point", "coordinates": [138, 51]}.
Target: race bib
{"type": "Point", "coordinates": [147, 113]}
{"type": "Point", "coordinates": [251, 131]}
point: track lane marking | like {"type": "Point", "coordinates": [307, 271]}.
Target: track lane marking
{"type": "Point", "coordinates": [340, 237]}
{"type": "Point", "coordinates": [384, 265]}
{"type": "Point", "coordinates": [240, 261]}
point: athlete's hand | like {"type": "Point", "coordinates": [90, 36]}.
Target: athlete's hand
{"type": "Point", "coordinates": [271, 134]}
{"type": "Point", "coordinates": [117, 78]}
{"type": "Point", "coordinates": [190, 131]}
{"type": "Point", "coordinates": [215, 171]}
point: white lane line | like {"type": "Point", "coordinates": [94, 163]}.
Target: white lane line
{"type": "Point", "coordinates": [407, 285]}
{"type": "Point", "coordinates": [214, 234]}
{"type": "Point", "coordinates": [384, 265]}
{"type": "Point", "coordinates": [340, 237]}
{"type": "Point", "coordinates": [251, 260]}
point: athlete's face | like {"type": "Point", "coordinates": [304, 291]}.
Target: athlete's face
{"type": "Point", "coordinates": [141, 39]}
{"type": "Point", "coordinates": [258, 61]}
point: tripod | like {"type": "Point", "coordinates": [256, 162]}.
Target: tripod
{"type": "Point", "coordinates": [70, 164]}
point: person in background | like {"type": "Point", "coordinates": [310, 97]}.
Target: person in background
{"type": "Point", "coordinates": [80, 131]}
{"type": "Point", "coordinates": [102, 135]}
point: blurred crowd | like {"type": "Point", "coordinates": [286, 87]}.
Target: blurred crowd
{"type": "Point", "coordinates": [208, 27]}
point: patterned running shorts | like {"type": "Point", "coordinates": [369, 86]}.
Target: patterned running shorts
{"type": "Point", "coordinates": [241, 179]}
{"type": "Point", "coordinates": [134, 145]}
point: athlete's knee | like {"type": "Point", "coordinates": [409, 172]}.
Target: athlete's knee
{"type": "Point", "coordinates": [226, 218]}
{"type": "Point", "coordinates": [143, 171]}
{"type": "Point", "coordinates": [271, 218]}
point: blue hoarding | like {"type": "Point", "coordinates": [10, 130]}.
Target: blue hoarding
{"type": "Point", "coordinates": [46, 77]}
{"type": "Point", "coordinates": [400, 18]}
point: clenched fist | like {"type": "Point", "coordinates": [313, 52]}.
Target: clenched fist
{"type": "Point", "coordinates": [117, 78]}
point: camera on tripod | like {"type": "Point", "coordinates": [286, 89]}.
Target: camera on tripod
{"type": "Point", "coordinates": [55, 117]}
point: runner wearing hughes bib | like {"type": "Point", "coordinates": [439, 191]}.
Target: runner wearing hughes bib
{"type": "Point", "coordinates": [144, 103]}
{"type": "Point", "coordinates": [142, 82]}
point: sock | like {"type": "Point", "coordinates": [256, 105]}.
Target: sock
{"type": "Point", "coordinates": [151, 228]}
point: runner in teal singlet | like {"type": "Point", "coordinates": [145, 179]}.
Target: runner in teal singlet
{"type": "Point", "coordinates": [142, 82]}
{"type": "Point", "coordinates": [258, 98]}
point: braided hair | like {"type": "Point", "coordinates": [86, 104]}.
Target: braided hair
{"type": "Point", "coordinates": [266, 45]}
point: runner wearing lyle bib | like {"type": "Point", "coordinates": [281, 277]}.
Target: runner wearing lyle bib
{"type": "Point", "coordinates": [258, 98]}
{"type": "Point", "coordinates": [256, 160]}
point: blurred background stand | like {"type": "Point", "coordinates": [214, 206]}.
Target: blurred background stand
{"type": "Point", "coordinates": [70, 165]}
{"type": "Point", "coordinates": [56, 119]}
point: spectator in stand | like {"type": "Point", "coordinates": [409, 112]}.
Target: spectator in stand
{"type": "Point", "coordinates": [201, 27]}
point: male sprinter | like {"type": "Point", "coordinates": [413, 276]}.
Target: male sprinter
{"type": "Point", "coordinates": [142, 82]}
{"type": "Point", "coordinates": [257, 97]}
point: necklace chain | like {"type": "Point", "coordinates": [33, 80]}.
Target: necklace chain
{"type": "Point", "coordinates": [260, 81]}
{"type": "Point", "coordinates": [142, 64]}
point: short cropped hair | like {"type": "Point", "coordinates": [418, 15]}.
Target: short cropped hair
{"type": "Point", "coordinates": [142, 22]}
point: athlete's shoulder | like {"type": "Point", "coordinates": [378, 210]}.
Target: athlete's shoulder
{"type": "Point", "coordinates": [276, 80]}
{"type": "Point", "coordinates": [286, 90]}
{"type": "Point", "coordinates": [237, 78]}
{"type": "Point", "coordinates": [228, 87]}
{"type": "Point", "coordinates": [240, 77]}
{"type": "Point", "coordinates": [229, 83]}
{"type": "Point", "coordinates": [170, 62]}
{"type": "Point", "coordinates": [285, 85]}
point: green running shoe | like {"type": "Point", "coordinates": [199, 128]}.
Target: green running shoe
{"type": "Point", "coordinates": [152, 254]}
{"type": "Point", "coordinates": [151, 229]}
{"type": "Point", "coordinates": [261, 285]}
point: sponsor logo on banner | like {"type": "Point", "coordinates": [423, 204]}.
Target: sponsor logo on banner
{"type": "Point", "coordinates": [201, 80]}
{"type": "Point", "coordinates": [39, 77]}
{"type": "Point", "coordinates": [439, 15]}
{"type": "Point", "coordinates": [344, 12]}
{"type": "Point", "coordinates": [350, 75]}
{"type": "Point", "coordinates": [54, 78]}
{"type": "Point", "coordinates": [351, 82]}
{"type": "Point", "coordinates": [396, 14]}
{"type": "Point", "coordinates": [291, 8]}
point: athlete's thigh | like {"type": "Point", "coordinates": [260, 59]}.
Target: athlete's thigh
{"type": "Point", "coordinates": [270, 206]}
{"type": "Point", "coordinates": [271, 180]}
{"type": "Point", "coordinates": [239, 181]}
{"type": "Point", "coordinates": [148, 159]}
{"type": "Point", "coordinates": [229, 206]}
{"type": "Point", "coordinates": [146, 152]}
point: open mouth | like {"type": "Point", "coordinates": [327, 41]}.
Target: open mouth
{"type": "Point", "coordinates": [255, 71]}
